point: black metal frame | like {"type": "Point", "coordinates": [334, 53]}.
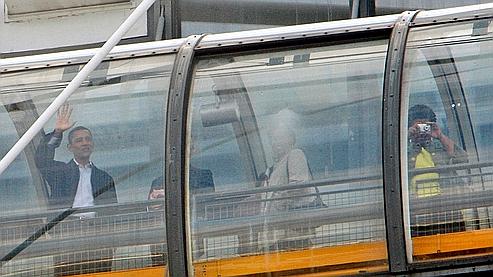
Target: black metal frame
{"type": "Point", "coordinates": [393, 205]}
{"type": "Point", "coordinates": [177, 112]}
{"type": "Point", "coordinates": [177, 247]}
{"type": "Point", "coordinates": [366, 8]}
{"type": "Point", "coordinates": [172, 19]}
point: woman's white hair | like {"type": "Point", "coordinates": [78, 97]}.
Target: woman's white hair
{"type": "Point", "coordinates": [286, 121]}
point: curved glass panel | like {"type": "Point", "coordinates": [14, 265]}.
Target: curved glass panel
{"type": "Point", "coordinates": [285, 161]}
{"type": "Point", "coordinates": [447, 139]}
{"type": "Point", "coordinates": [80, 200]}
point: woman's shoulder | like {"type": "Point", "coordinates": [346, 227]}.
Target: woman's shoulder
{"type": "Point", "coordinates": [296, 154]}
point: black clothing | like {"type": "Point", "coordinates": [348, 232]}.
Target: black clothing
{"type": "Point", "coordinates": [201, 181]}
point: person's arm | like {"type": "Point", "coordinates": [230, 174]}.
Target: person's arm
{"type": "Point", "coordinates": [455, 153]}
{"type": "Point", "coordinates": [447, 143]}
{"type": "Point", "coordinates": [105, 187]}
{"type": "Point", "coordinates": [52, 171]}
{"type": "Point", "coordinates": [112, 191]}
{"type": "Point", "coordinates": [45, 152]}
{"type": "Point", "coordinates": [298, 170]}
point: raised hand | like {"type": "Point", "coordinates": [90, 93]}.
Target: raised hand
{"type": "Point", "coordinates": [436, 132]}
{"type": "Point", "coordinates": [156, 193]}
{"type": "Point", "coordinates": [63, 119]}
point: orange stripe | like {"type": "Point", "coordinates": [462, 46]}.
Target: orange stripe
{"type": "Point", "coordinates": [160, 271]}
{"type": "Point", "coordinates": [327, 256]}
{"type": "Point", "coordinates": [143, 272]}
{"type": "Point", "coordinates": [443, 243]}
{"type": "Point", "coordinates": [282, 261]}
{"type": "Point", "coordinates": [293, 260]}
{"type": "Point", "coordinates": [348, 272]}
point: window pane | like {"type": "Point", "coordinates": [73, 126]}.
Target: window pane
{"type": "Point", "coordinates": [383, 7]}
{"type": "Point", "coordinates": [449, 183]}
{"type": "Point", "coordinates": [87, 194]}
{"type": "Point", "coordinates": [285, 156]}
{"type": "Point", "coordinates": [219, 16]}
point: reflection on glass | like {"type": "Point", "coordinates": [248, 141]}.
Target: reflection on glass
{"type": "Point", "coordinates": [80, 200]}
{"type": "Point", "coordinates": [383, 7]}
{"type": "Point", "coordinates": [218, 16]}
{"type": "Point", "coordinates": [447, 141]}
{"type": "Point", "coordinates": [293, 140]}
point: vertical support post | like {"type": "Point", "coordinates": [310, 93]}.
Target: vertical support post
{"type": "Point", "coordinates": [393, 199]}
{"type": "Point", "coordinates": [367, 8]}
{"type": "Point", "coordinates": [172, 19]}
{"type": "Point", "coordinates": [175, 159]}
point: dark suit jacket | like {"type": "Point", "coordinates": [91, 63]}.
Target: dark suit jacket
{"type": "Point", "coordinates": [201, 181]}
{"type": "Point", "coordinates": [63, 178]}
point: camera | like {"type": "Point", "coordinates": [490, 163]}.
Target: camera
{"type": "Point", "coordinates": [424, 129]}
{"type": "Point", "coordinates": [422, 137]}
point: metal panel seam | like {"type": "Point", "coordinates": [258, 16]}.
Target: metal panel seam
{"type": "Point", "coordinates": [176, 234]}
{"type": "Point", "coordinates": [393, 200]}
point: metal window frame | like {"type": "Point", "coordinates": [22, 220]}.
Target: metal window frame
{"type": "Point", "coordinates": [179, 260]}
{"type": "Point", "coordinates": [458, 264]}
{"type": "Point", "coordinates": [175, 160]}
{"type": "Point", "coordinates": [179, 256]}
{"type": "Point", "coordinates": [172, 19]}
{"type": "Point", "coordinates": [393, 198]}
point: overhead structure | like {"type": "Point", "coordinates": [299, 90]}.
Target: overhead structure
{"type": "Point", "coordinates": [331, 148]}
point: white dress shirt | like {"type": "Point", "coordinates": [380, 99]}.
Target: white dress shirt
{"type": "Point", "coordinates": [83, 196]}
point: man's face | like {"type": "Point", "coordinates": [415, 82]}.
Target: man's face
{"type": "Point", "coordinates": [81, 145]}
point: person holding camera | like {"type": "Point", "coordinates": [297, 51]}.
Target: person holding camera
{"type": "Point", "coordinates": [429, 147]}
